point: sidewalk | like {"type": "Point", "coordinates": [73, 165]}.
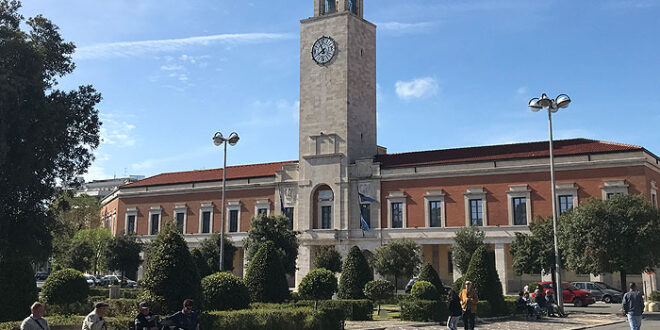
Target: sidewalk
{"type": "Point", "coordinates": [574, 321]}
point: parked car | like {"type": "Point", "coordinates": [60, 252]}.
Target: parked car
{"type": "Point", "coordinates": [118, 278]}
{"type": "Point", "coordinates": [600, 291]}
{"type": "Point", "coordinates": [91, 280]}
{"type": "Point", "coordinates": [40, 278]}
{"type": "Point", "coordinates": [443, 291]}
{"type": "Point", "coordinates": [101, 280]}
{"type": "Point", "coordinates": [571, 295]}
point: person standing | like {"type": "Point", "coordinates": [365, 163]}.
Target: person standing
{"type": "Point", "coordinates": [145, 320]}
{"type": "Point", "coordinates": [455, 310]}
{"type": "Point", "coordinates": [94, 320]}
{"type": "Point", "coordinates": [633, 307]}
{"type": "Point", "coordinates": [469, 300]}
{"type": "Point", "coordinates": [36, 320]}
{"type": "Point", "coordinates": [185, 319]}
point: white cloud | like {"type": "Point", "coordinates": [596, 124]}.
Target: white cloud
{"type": "Point", "coordinates": [417, 88]}
{"type": "Point", "coordinates": [171, 67]}
{"type": "Point", "coordinates": [116, 131]}
{"type": "Point", "coordinates": [139, 48]}
{"type": "Point", "coordinates": [402, 28]}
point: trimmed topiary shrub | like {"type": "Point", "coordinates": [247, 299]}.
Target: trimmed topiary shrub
{"type": "Point", "coordinates": [354, 275]}
{"type": "Point", "coordinates": [424, 290]}
{"type": "Point", "coordinates": [18, 289]}
{"type": "Point", "coordinates": [318, 284]}
{"type": "Point", "coordinates": [458, 284]}
{"type": "Point", "coordinates": [64, 287]}
{"type": "Point", "coordinates": [300, 318]}
{"type": "Point", "coordinates": [200, 261]}
{"type": "Point", "coordinates": [265, 277]}
{"type": "Point", "coordinates": [485, 281]}
{"type": "Point", "coordinates": [379, 291]}
{"type": "Point", "coordinates": [171, 272]}
{"type": "Point", "coordinates": [224, 291]}
{"type": "Point", "coordinates": [327, 257]}
{"type": "Point", "coordinates": [428, 273]}
{"type": "Point", "coordinates": [423, 310]}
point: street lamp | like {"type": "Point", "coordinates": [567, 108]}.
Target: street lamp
{"type": "Point", "coordinates": [536, 104]}
{"type": "Point", "coordinates": [218, 140]}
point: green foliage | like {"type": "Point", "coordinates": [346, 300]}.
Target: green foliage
{"type": "Point", "coordinates": [353, 310]}
{"type": "Point", "coordinates": [423, 310]}
{"type": "Point", "coordinates": [655, 296]}
{"type": "Point", "coordinates": [274, 229]}
{"type": "Point", "coordinates": [459, 284]}
{"type": "Point", "coordinates": [72, 321]}
{"type": "Point", "coordinates": [265, 276]}
{"type": "Point", "coordinates": [428, 273]}
{"type": "Point", "coordinates": [123, 254]}
{"type": "Point", "coordinates": [354, 275]}
{"type": "Point", "coordinates": [224, 291]}
{"type": "Point", "coordinates": [171, 272]}
{"type": "Point", "coordinates": [467, 240]}
{"type": "Point", "coordinates": [200, 261]}
{"type": "Point", "coordinates": [609, 236]}
{"type": "Point", "coordinates": [318, 284]}
{"type": "Point", "coordinates": [485, 309]}
{"type": "Point", "coordinates": [302, 318]}
{"type": "Point", "coordinates": [79, 256]}
{"type": "Point", "coordinates": [118, 307]}
{"type": "Point", "coordinates": [484, 278]}
{"type": "Point", "coordinates": [157, 304]}
{"type": "Point", "coordinates": [398, 258]}
{"type": "Point", "coordinates": [535, 253]}
{"type": "Point", "coordinates": [104, 292]}
{"type": "Point", "coordinates": [424, 290]}
{"type": "Point", "coordinates": [18, 289]}
{"type": "Point", "coordinates": [209, 252]}
{"type": "Point", "coordinates": [327, 257]}
{"type": "Point", "coordinates": [46, 134]}
{"type": "Point", "coordinates": [97, 239]}
{"type": "Point", "coordinates": [66, 286]}
{"type": "Point", "coordinates": [379, 290]}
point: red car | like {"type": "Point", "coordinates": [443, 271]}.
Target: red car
{"type": "Point", "coordinates": [579, 298]}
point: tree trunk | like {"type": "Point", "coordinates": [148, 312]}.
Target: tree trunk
{"type": "Point", "coordinates": [378, 311]}
{"type": "Point", "coordinates": [623, 275]}
{"type": "Point", "coordinates": [396, 284]}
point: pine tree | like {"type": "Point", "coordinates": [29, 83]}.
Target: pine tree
{"type": "Point", "coordinates": [265, 276]}
{"type": "Point", "coordinates": [354, 275]}
{"type": "Point", "coordinates": [484, 278]}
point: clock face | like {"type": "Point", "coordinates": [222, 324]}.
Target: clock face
{"type": "Point", "coordinates": [324, 50]}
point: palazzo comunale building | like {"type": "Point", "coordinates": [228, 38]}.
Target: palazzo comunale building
{"type": "Point", "coordinates": [423, 196]}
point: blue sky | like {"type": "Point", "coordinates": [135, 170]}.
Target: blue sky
{"type": "Point", "coordinates": [450, 74]}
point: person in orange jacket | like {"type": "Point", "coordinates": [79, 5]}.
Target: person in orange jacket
{"type": "Point", "coordinates": [469, 300]}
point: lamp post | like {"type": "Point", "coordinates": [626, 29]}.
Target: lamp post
{"type": "Point", "coordinates": [218, 140]}
{"type": "Point", "coordinates": [536, 104]}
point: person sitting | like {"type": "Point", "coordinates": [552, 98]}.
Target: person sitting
{"type": "Point", "coordinates": [521, 304]}
{"type": "Point", "coordinates": [184, 319]}
{"type": "Point", "coordinates": [145, 319]}
{"type": "Point", "coordinates": [549, 304]}
{"type": "Point", "coordinates": [539, 299]}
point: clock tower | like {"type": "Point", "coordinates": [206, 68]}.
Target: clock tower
{"type": "Point", "coordinates": [337, 119]}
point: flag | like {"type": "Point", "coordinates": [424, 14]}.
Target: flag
{"type": "Point", "coordinates": [282, 209]}
{"type": "Point", "coordinates": [363, 224]}
{"type": "Point", "coordinates": [366, 199]}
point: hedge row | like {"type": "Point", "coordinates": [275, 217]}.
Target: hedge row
{"type": "Point", "coordinates": [60, 322]}
{"type": "Point", "coordinates": [302, 318]}
{"type": "Point", "coordinates": [353, 310]}
{"type": "Point", "coordinates": [485, 309]}
{"type": "Point", "coordinates": [128, 293]}
{"type": "Point", "coordinates": [423, 310]}
{"type": "Point", "coordinates": [118, 307]}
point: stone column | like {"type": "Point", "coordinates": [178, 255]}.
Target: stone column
{"type": "Point", "coordinates": [501, 266]}
{"type": "Point", "coordinates": [304, 263]}
{"type": "Point", "coordinates": [244, 255]}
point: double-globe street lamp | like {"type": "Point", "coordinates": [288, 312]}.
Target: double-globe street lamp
{"type": "Point", "coordinates": [553, 105]}
{"type": "Point", "coordinates": [218, 140]}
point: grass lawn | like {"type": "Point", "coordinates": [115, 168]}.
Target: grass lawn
{"type": "Point", "coordinates": [387, 312]}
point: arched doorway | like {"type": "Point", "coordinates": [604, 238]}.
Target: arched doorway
{"type": "Point", "coordinates": [323, 201]}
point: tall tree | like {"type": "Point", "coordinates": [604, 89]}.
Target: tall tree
{"type": "Point", "coordinates": [79, 257]}
{"type": "Point", "coordinates": [123, 254]}
{"type": "Point", "coordinates": [354, 275]}
{"type": "Point", "coordinates": [210, 253]}
{"type": "Point", "coordinates": [46, 134]}
{"type": "Point", "coordinates": [274, 229]}
{"type": "Point", "coordinates": [329, 258]}
{"type": "Point", "coordinates": [620, 234]}
{"type": "Point", "coordinates": [467, 240]}
{"type": "Point", "coordinates": [72, 214]}
{"type": "Point", "coordinates": [535, 253]}
{"type": "Point", "coordinates": [98, 240]}
{"type": "Point", "coordinates": [398, 258]}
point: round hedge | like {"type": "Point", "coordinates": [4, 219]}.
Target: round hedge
{"type": "Point", "coordinates": [66, 286]}
{"type": "Point", "coordinates": [424, 290]}
{"type": "Point", "coordinates": [329, 258]}
{"type": "Point", "coordinates": [17, 287]}
{"type": "Point", "coordinates": [318, 284]}
{"type": "Point", "coordinates": [379, 290]}
{"type": "Point", "coordinates": [224, 291]}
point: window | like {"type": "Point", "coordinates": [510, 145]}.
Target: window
{"type": "Point", "coordinates": [610, 195]}
{"type": "Point", "coordinates": [519, 211]}
{"type": "Point", "coordinates": [365, 211]}
{"type": "Point", "coordinates": [130, 227]}
{"type": "Point", "coordinates": [233, 221]}
{"type": "Point", "coordinates": [262, 212]}
{"type": "Point", "coordinates": [435, 214]}
{"type": "Point", "coordinates": [397, 215]}
{"type": "Point", "coordinates": [181, 222]}
{"type": "Point", "coordinates": [450, 263]}
{"type": "Point", "coordinates": [565, 203]}
{"type": "Point", "coordinates": [206, 222]}
{"type": "Point", "coordinates": [611, 188]}
{"type": "Point", "coordinates": [288, 212]}
{"type": "Point", "coordinates": [352, 6]}
{"type": "Point", "coordinates": [326, 217]}
{"type": "Point", "coordinates": [476, 212]}
{"type": "Point", "coordinates": [330, 6]}
{"type": "Point", "coordinates": [155, 222]}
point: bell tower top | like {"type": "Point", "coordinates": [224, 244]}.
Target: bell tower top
{"type": "Point", "coordinates": [325, 7]}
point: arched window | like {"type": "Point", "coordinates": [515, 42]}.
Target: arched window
{"type": "Point", "coordinates": [324, 200]}
{"type": "Point", "coordinates": [330, 6]}
{"type": "Point", "coordinates": [352, 6]}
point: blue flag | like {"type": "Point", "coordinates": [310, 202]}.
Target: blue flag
{"type": "Point", "coordinates": [366, 199]}
{"type": "Point", "coordinates": [363, 224]}
{"type": "Point", "coordinates": [282, 209]}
